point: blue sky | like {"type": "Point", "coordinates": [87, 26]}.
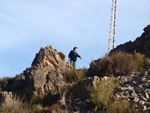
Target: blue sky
{"type": "Point", "coordinates": [27, 25]}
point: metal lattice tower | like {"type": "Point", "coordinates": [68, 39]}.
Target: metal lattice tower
{"type": "Point", "coordinates": [112, 33]}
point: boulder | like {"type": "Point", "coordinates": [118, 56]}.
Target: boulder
{"type": "Point", "coordinates": [47, 73]}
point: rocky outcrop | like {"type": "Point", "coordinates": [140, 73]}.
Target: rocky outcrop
{"type": "Point", "coordinates": [45, 74]}
{"type": "Point", "coordinates": [136, 90]}
{"type": "Point", "coordinates": [141, 44]}
{"type": "Point", "coordinates": [81, 103]}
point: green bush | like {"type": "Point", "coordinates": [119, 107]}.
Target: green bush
{"type": "Point", "coordinates": [103, 93]}
{"type": "Point", "coordinates": [118, 64]}
{"type": "Point", "coordinates": [120, 106]}
{"type": "Point", "coordinates": [76, 75]}
{"type": "Point", "coordinates": [138, 61]}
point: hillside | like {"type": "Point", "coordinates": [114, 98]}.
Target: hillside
{"type": "Point", "coordinates": [116, 83]}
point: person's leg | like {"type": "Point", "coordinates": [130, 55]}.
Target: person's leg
{"type": "Point", "coordinates": [71, 62]}
{"type": "Point", "coordinates": [74, 65]}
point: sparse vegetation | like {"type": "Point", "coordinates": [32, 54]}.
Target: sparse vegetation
{"type": "Point", "coordinates": [120, 106]}
{"type": "Point", "coordinates": [72, 89]}
{"type": "Point", "coordinates": [45, 100]}
{"type": "Point", "coordinates": [39, 104]}
{"type": "Point", "coordinates": [103, 92]}
{"type": "Point", "coordinates": [16, 106]}
{"type": "Point", "coordinates": [76, 75]}
{"type": "Point", "coordinates": [103, 96]}
{"type": "Point", "coordinates": [119, 64]}
{"type": "Point", "coordinates": [138, 61]}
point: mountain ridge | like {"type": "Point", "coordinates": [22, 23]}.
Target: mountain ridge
{"type": "Point", "coordinates": [141, 44]}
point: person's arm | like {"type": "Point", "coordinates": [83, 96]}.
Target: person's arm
{"type": "Point", "coordinates": [79, 56]}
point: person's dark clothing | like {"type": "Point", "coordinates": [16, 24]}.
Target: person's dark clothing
{"type": "Point", "coordinates": [73, 56]}
{"type": "Point", "coordinates": [73, 63]}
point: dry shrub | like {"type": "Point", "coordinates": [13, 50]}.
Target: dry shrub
{"type": "Point", "coordinates": [17, 106]}
{"type": "Point", "coordinates": [122, 63]}
{"type": "Point", "coordinates": [104, 66]}
{"type": "Point", "coordinates": [119, 64]}
{"type": "Point", "coordinates": [120, 106]}
{"type": "Point", "coordinates": [46, 99]}
{"type": "Point", "coordinates": [76, 75]}
{"type": "Point", "coordinates": [140, 62]}
{"type": "Point", "coordinates": [14, 106]}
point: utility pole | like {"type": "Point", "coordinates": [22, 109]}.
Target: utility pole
{"type": "Point", "coordinates": [112, 33]}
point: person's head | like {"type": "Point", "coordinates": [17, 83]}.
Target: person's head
{"type": "Point", "coordinates": [75, 49]}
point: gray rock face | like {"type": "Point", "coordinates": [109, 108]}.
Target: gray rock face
{"type": "Point", "coordinates": [137, 93]}
{"type": "Point", "coordinates": [45, 74]}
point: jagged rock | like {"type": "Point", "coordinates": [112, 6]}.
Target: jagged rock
{"type": "Point", "coordinates": [95, 80]}
{"type": "Point", "coordinates": [136, 99]}
{"type": "Point", "coordinates": [146, 84]}
{"type": "Point", "coordinates": [138, 89]}
{"type": "Point", "coordinates": [143, 98]}
{"type": "Point", "coordinates": [137, 93]}
{"type": "Point", "coordinates": [148, 99]}
{"type": "Point", "coordinates": [133, 96]}
{"type": "Point", "coordinates": [142, 103]}
{"type": "Point", "coordinates": [147, 91]}
{"type": "Point", "coordinates": [47, 73]}
{"type": "Point", "coordinates": [144, 108]}
{"type": "Point", "coordinates": [146, 95]}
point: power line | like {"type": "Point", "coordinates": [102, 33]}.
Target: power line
{"type": "Point", "coordinates": [97, 9]}
{"type": "Point", "coordinates": [94, 35]}
{"type": "Point", "coordinates": [79, 22]}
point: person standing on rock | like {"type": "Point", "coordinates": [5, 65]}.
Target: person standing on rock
{"type": "Point", "coordinates": [73, 56]}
